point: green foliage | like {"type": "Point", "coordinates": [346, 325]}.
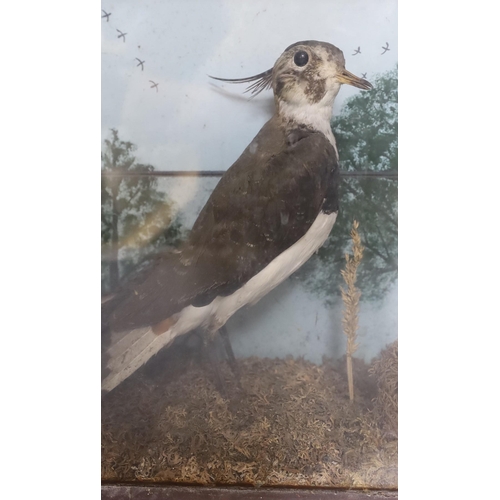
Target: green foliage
{"type": "Point", "coordinates": [367, 139]}
{"type": "Point", "coordinates": [367, 127]}
{"type": "Point", "coordinates": [136, 219]}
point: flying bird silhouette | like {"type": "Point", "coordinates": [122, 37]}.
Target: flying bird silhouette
{"type": "Point", "coordinates": [141, 63]}
{"type": "Point", "coordinates": [155, 85]}
{"type": "Point", "coordinates": [106, 15]}
{"type": "Point", "coordinates": [270, 212]}
{"type": "Point", "coordinates": [357, 51]}
{"type": "Point", "coordinates": [363, 75]}
{"type": "Point", "coordinates": [121, 35]}
{"type": "Point", "coordinates": [386, 48]}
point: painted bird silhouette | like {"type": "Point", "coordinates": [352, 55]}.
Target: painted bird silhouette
{"type": "Point", "coordinates": [363, 75]}
{"type": "Point", "coordinates": [386, 48]}
{"type": "Point", "coordinates": [141, 63]}
{"type": "Point", "coordinates": [121, 35]}
{"type": "Point", "coordinates": [106, 15]}
{"type": "Point", "coordinates": [357, 51]}
{"type": "Point", "coordinates": [155, 85]}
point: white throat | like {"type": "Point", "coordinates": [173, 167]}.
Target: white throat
{"type": "Point", "coordinates": [315, 115]}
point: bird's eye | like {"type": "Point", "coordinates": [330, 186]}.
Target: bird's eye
{"type": "Point", "coordinates": [301, 57]}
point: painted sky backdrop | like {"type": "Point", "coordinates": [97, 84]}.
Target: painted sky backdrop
{"type": "Point", "coordinates": [193, 122]}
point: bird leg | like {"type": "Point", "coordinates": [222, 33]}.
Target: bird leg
{"type": "Point", "coordinates": [224, 335]}
{"type": "Point", "coordinates": [211, 357]}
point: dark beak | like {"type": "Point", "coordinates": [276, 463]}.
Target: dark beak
{"type": "Point", "coordinates": [355, 81]}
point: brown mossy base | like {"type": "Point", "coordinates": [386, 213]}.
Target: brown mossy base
{"type": "Point", "coordinates": [292, 424]}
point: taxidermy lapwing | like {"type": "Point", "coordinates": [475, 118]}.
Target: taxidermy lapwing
{"type": "Point", "coordinates": [270, 212]}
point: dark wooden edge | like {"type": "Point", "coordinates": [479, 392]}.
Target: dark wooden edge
{"type": "Point", "coordinates": [162, 492]}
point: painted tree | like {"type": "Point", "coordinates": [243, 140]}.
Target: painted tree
{"type": "Point", "coordinates": [367, 139]}
{"type": "Point", "coordinates": [136, 217]}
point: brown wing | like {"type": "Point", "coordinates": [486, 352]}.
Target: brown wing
{"type": "Point", "coordinates": [263, 204]}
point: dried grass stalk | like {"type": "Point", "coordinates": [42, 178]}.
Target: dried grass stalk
{"type": "Point", "coordinates": [350, 297]}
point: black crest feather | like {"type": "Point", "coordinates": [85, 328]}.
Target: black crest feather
{"type": "Point", "coordinates": [262, 81]}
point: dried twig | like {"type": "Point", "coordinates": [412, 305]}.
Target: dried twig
{"type": "Point", "coordinates": [350, 297]}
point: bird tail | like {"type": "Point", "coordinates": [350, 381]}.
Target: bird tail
{"type": "Point", "coordinates": [123, 352]}
{"type": "Point", "coordinates": [134, 322]}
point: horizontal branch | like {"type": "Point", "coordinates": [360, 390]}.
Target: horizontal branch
{"type": "Point", "coordinates": [388, 174]}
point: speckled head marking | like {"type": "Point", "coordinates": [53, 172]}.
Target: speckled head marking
{"type": "Point", "coordinates": [311, 72]}
{"type": "Point", "coordinates": [306, 71]}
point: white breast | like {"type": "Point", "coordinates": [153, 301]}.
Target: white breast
{"type": "Point", "coordinates": [317, 115]}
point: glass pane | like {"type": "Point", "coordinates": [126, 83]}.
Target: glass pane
{"type": "Point", "coordinates": [299, 389]}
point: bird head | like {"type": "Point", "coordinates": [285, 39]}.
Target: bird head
{"type": "Point", "coordinates": [305, 80]}
{"type": "Point", "coordinates": [311, 73]}
{"type": "Point", "coordinates": [307, 73]}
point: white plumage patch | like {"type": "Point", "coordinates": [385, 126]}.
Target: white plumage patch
{"type": "Point", "coordinates": [316, 115]}
{"type": "Point", "coordinates": [134, 348]}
